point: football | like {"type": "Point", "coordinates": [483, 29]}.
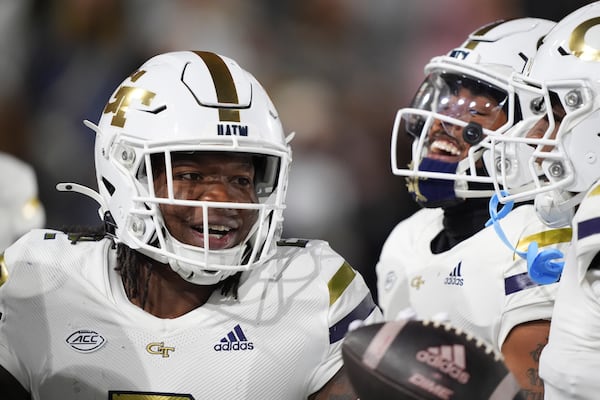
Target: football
{"type": "Point", "coordinates": [413, 359]}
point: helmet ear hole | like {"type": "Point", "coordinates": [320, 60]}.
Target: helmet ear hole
{"type": "Point", "coordinates": [110, 188]}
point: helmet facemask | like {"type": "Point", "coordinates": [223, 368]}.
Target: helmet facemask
{"type": "Point", "coordinates": [188, 104]}
{"type": "Point", "coordinates": [484, 64]}
{"type": "Point", "coordinates": [566, 144]}
{"type": "Point", "coordinates": [448, 120]}
{"type": "Point", "coordinates": [538, 148]}
{"type": "Point", "coordinates": [203, 240]}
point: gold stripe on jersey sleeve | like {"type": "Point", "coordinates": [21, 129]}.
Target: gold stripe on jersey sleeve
{"type": "Point", "coordinates": [594, 192]}
{"type": "Point", "coordinates": [340, 281]}
{"type": "Point", "coordinates": [224, 85]}
{"type": "Point", "coordinates": [3, 270]}
{"type": "Point", "coordinates": [546, 238]}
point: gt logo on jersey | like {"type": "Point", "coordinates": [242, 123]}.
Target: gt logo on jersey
{"type": "Point", "coordinates": [417, 282]}
{"type": "Point", "coordinates": [85, 341]}
{"type": "Point", "coordinates": [159, 348]}
{"type": "Point", "coordinates": [123, 97]}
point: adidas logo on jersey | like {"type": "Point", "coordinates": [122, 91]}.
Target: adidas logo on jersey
{"type": "Point", "coordinates": [454, 278]}
{"type": "Point", "coordinates": [234, 341]}
{"type": "Point", "coordinates": [449, 359]}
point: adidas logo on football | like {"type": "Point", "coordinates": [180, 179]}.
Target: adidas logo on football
{"type": "Point", "coordinates": [454, 277]}
{"type": "Point", "coordinates": [449, 359]}
{"type": "Point", "coordinates": [235, 340]}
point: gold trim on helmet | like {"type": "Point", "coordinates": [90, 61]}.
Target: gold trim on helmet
{"type": "Point", "coordinates": [3, 270]}
{"type": "Point", "coordinates": [577, 43]}
{"type": "Point", "coordinates": [224, 85]}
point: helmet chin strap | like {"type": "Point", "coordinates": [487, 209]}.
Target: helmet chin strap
{"type": "Point", "coordinates": [543, 266]}
{"type": "Point", "coordinates": [206, 275]}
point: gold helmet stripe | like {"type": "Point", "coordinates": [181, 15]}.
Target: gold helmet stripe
{"type": "Point", "coordinates": [224, 85]}
{"type": "Point", "coordinates": [473, 43]}
{"type": "Point", "coordinates": [3, 270]}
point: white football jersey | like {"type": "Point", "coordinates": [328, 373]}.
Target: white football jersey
{"type": "Point", "coordinates": [479, 285]}
{"type": "Point", "coordinates": [68, 331]}
{"type": "Point", "coordinates": [570, 362]}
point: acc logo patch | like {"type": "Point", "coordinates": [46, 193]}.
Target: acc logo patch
{"type": "Point", "coordinates": [85, 341]}
{"type": "Point", "coordinates": [390, 280]}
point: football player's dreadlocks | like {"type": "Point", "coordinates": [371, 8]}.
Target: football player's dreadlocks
{"type": "Point", "coordinates": [136, 269]}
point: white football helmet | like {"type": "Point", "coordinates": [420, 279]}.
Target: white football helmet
{"type": "Point", "coordinates": [20, 207]}
{"type": "Point", "coordinates": [188, 101]}
{"type": "Point", "coordinates": [482, 65]}
{"type": "Point", "coordinates": [557, 143]}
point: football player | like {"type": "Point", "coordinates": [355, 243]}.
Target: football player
{"type": "Point", "coordinates": [560, 138]}
{"type": "Point", "coordinates": [442, 262]}
{"type": "Point", "coordinates": [20, 207]}
{"type": "Point", "coordinates": [188, 291]}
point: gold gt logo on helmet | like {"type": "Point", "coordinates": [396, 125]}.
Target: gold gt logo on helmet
{"type": "Point", "coordinates": [123, 97]}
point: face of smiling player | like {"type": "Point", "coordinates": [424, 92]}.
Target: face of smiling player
{"type": "Point", "coordinates": [216, 177]}
{"type": "Point", "coordinates": [445, 141]}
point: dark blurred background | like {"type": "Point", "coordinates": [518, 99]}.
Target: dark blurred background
{"type": "Point", "coordinates": [337, 70]}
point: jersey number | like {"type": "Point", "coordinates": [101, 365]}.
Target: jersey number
{"type": "Point", "coordinates": [118, 395]}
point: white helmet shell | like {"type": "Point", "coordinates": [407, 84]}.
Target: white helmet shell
{"type": "Point", "coordinates": [485, 60]}
{"type": "Point", "coordinates": [188, 102]}
{"type": "Point", "coordinates": [563, 158]}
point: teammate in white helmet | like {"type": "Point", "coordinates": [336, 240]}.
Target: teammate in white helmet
{"type": "Point", "coordinates": [560, 143]}
{"type": "Point", "coordinates": [442, 262]}
{"type": "Point", "coordinates": [188, 292]}
{"type": "Point", "coordinates": [20, 207]}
